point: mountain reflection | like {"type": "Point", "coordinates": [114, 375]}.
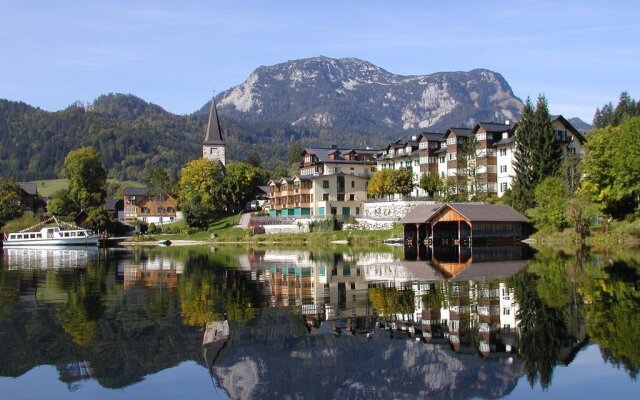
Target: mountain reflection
{"type": "Point", "coordinates": [458, 323]}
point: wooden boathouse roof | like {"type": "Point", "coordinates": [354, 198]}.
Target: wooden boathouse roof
{"type": "Point", "coordinates": [471, 212]}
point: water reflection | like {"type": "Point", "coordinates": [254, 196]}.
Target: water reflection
{"type": "Point", "coordinates": [460, 323]}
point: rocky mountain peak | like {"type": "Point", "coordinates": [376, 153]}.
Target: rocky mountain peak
{"type": "Point", "coordinates": [355, 95]}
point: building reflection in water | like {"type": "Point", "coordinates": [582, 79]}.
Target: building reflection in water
{"type": "Point", "coordinates": [150, 270]}
{"type": "Point", "coordinates": [355, 307]}
{"type": "Point", "coordinates": [460, 295]}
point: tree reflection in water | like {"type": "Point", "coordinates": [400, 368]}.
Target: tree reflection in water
{"type": "Point", "coordinates": [125, 316]}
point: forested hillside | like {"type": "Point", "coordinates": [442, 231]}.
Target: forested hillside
{"type": "Point", "coordinates": [131, 135]}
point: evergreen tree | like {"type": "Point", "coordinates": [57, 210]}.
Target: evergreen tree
{"type": "Point", "coordinates": [547, 152]}
{"type": "Point", "coordinates": [538, 153]}
{"type": "Point", "coordinates": [521, 195]}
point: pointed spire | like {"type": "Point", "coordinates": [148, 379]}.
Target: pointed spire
{"type": "Point", "coordinates": [214, 133]}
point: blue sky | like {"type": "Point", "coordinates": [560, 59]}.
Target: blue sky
{"type": "Point", "coordinates": [580, 54]}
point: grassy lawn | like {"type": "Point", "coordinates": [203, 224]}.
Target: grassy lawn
{"type": "Point", "coordinates": [226, 232]}
{"type": "Point", "coordinates": [50, 186]}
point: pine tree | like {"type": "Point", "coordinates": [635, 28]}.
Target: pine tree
{"type": "Point", "coordinates": [521, 195]}
{"type": "Point", "coordinates": [547, 150]}
{"type": "Point", "coordinates": [538, 153]}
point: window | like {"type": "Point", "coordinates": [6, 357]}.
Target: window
{"type": "Point", "coordinates": [325, 196]}
{"type": "Point", "coordinates": [423, 145]}
{"type": "Point", "coordinates": [452, 156]}
{"type": "Point", "coordinates": [503, 151]}
{"type": "Point", "coordinates": [503, 186]}
{"type": "Point", "coordinates": [352, 197]}
{"type": "Point", "coordinates": [442, 159]}
{"type": "Point", "coordinates": [503, 168]}
{"type": "Point", "coordinates": [340, 196]}
{"type": "Point", "coordinates": [480, 136]}
{"type": "Point", "coordinates": [451, 140]}
{"type": "Point", "coordinates": [506, 311]}
{"type": "Point", "coordinates": [353, 286]}
{"type": "Point", "coordinates": [353, 184]}
{"type": "Point", "coordinates": [325, 184]}
{"type": "Point", "coordinates": [160, 209]}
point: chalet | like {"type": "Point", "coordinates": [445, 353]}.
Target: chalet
{"type": "Point", "coordinates": [29, 198]}
{"type": "Point", "coordinates": [143, 205]}
{"type": "Point", "coordinates": [464, 223]}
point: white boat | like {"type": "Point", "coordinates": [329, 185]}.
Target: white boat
{"type": "Point", "coordinates": [51, 236]}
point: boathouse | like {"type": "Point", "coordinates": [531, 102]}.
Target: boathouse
{"type": "Point", "coordinates": [453, 223]}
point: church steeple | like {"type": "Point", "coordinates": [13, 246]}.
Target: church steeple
{"type": "Point", "coordinates": [213, 147]}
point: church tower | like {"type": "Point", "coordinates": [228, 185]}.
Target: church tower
{"type": "Point", "coordinates": [213, 147]}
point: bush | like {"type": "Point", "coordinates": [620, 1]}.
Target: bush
{"type": "Point", "coordinates": [152, 228]}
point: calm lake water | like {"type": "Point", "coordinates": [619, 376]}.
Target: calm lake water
{"type": "Point", "coordinates": [392, 323]}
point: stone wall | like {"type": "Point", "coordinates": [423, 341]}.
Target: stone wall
{"type": "Point", "coordinates": [390, 211]}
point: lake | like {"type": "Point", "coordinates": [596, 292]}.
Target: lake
{"type": "Point", "coordinates": [383, 323]}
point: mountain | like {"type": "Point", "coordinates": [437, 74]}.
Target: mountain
{"type": "Point", "coordinates": [352, 95]}
{"type": "Point", "coordinates": [580, 125]}
{"type": "Point", "coordinates": [311, 102]}
{"type": "Point", "coordinates": [130, 134]}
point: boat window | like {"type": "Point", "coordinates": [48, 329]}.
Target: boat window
{"type": "Point", "coordinates": [32, 236]}
{"type": "Point", "coordinates": [66, 234]}
{"type": "Point", "coordinates": [12, 236]}
{"type": "Point", "coordinates": [73, 234]}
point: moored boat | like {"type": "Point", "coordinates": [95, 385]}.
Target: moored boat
{"type": "Point", "coordinates": [51, 236]}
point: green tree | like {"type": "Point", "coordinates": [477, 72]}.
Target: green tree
{"type": "Point", "coordinates": [547, 152]}
{"type": "Point", "coordinates": [402, 181]}
{"type": "Point", "coordinates": [381, 183]}
{"type": "Point", "coordinates": [537, 154]}
{"type": "Point", "coordinates": [468, 162]}
{"type": "Point", "coordinates": [10, 197]}
{"type": "Point", "coordinates": [240, 184]}
{"type": "Point", "coordinates": [159, 181]}
{"type": "Point", "coordinates": [254, 159]}
{"type": "Point", "coordinates": [551, 197]}
{"type": "Point", "coordinates": [611, 167]}
{"type": "Point", "coordinates": [87, 178]}
{"type": "Point", "coordinates": [430, 182]}
{"type": "Point", "coordinates": [99, 219]}
{"type": "Point", "coordinates": [201, 183]}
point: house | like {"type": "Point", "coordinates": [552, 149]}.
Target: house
{"type": "Point", "coordinates": [143, 205]}
{"type": "Point", "coordinates": [456, 165]}
{"type": "Point", "coordinates": [403, 154]}
{"type": "Point", "coordinates": [430, 145]}
{"type": "Point", "coordinates": [487, 134]}
{"type": "Point", "coordinates": [115, 207]}
{"type": "Point", "coordinates": [571, 140]}
{"type": "Point", "coordinates": [29, 198]}
{"type": "Point", "coordinates": [463, 223]}
{"type": "Point", "coordinates": [491, 171]}
{"type": "Point", "coordinates": [332, 181]}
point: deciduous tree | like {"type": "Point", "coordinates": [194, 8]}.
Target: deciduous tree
{"type": "Point", "coordinates": [10, 207]}
{"type": "Point", "coordinates": [87, 178]}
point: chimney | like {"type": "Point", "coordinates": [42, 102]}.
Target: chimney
{"type": "Point", "coordinates": [414, 137]}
